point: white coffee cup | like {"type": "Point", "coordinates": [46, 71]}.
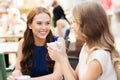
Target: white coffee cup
{"type": "Point", "coordinates": [54, 44]}
{"type": "Point", "coordinates": [24, 77]}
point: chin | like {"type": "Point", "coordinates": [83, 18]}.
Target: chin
{"type": "Point", "coordinates": [43, 37]}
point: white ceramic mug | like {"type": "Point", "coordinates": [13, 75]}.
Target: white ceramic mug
{"type": "Point", "coordinates": [24, 77]}
{"type": "Point", "coordinates": [54, 44]}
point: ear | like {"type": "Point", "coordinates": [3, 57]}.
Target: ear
{"type": "Point", "coordinates": [30, 26]}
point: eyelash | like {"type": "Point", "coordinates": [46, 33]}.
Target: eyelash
{"type": "Point", "coordinates": [39, 23]}
{"type": "Point", "coordinates": [45, 23]}
{"type": "Point", "coordinates": [48, 23]}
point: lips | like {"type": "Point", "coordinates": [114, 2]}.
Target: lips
{"type": "Point", "coordinates": [43, 32]}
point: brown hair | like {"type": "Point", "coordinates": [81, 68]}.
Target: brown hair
{"type": "Point", "coordinates": [27, 51]}
{"type": "Point", "coordinates": [93, 23]}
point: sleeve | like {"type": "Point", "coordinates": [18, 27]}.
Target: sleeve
{"type": "Point", "coordinates": [101, 56]}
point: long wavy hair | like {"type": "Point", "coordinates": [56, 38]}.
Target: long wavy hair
{"type": "Point", "coordinates": [94, 26]}
{"type": "Point", "coordinates": [58, 13]}
{"type": "Point", "coordinates": [27, 51]}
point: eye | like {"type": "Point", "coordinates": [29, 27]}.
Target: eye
{"type": "Point", "coordinates": [47, 23]}
{"type": "Point", "coordinates": [39, 23]}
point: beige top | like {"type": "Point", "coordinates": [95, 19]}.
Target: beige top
{"type": "Point", "coordinates": [105, 60]}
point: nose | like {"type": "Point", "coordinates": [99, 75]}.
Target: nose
{"type": "Point", "coordinates": [44, 26]}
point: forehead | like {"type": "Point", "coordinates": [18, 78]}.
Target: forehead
{"type": "Point", "coordinates": [41, 17]}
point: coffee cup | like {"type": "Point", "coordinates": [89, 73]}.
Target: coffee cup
{"type": "Point", "coordinates": [24, 77]}
{"type": "Point", "coordinates": [54, 44]}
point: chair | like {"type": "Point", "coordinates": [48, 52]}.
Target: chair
{"type": "Point", "coordinates": [4, 73]}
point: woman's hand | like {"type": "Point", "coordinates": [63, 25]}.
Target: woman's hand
{"type": "Point", "coordinates": [15, 75]}
{"type": "Point", "coordinates": [57, 50]}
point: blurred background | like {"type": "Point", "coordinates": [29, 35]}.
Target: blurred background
{"type": "Point", "coordinates": [13, 15]}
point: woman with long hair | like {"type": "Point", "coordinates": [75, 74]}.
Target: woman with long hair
{"type": "Point", "coordinates": [32, 56]}
{"type": "Point", "coordinates": [97, 54]}
{"type": "Point", "coordinates": [60, 22]}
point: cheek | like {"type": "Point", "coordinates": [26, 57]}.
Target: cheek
{"type": "Point", "coordinates": [76, 29]}
{"type": "Point", "coordinates": [35, 29]}
{"type": "Point", "coordinates": [73, 26]}
{"type": "Point", "coordinates": [49, 27]}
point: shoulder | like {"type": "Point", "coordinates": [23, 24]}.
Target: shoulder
{"type": "Point", "coordinates": [94, 70]}
{"type": "Point", "coordinates": [21, 41]}
{"type": "Point", "coordinates": [61, 22]}
{"type": "Point", "coordinates": [97, 63]}
{"type": "Point", "coordinates": [100, 55]}
{"type": "Point", "coordinates": [20, 44]}
{"type": "Point", "coordinates": [55, 38]}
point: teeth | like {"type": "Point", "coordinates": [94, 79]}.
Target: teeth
{"type": "Point", "coordinates": [42, 32]}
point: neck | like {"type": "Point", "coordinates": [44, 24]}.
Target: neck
{"type": "Point", "coordinates": [40, 42]}
{"type": "Point", "coordinates": [90, 47]}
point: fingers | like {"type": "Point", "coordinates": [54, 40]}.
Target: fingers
{"type": "Point", "coordinates": [51, 53]}
{"type": "Point", "coordinates": [51, 56]}
{"type": "Point", "coordinates": [59, 44]}
{"type": "Point", "coordinates": [56, 48]}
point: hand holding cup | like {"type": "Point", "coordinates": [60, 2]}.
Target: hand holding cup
{"type": "Point", "coordinates": [57, 49]}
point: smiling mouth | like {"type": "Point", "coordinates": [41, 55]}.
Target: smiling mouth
{"type": "Point", "coordinates": [43, 32]}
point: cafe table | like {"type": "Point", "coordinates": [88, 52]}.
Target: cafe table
{"type": "Point", "coordinates": [9, 47]}
{"type": "Point", "coordinates": [13, 37]}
